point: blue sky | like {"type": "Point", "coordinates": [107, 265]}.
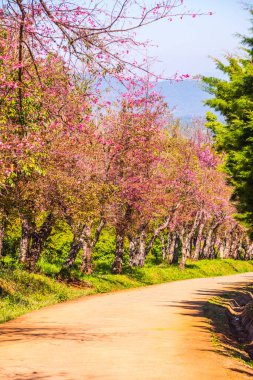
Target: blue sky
{"type": "Point", "coordinates": [184, 46]}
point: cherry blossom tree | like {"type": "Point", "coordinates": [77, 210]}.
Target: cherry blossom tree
{"type": "Point", "coordinates": [131, 136]}
{"type": "Point", "coordinates": [100, 35]}
{"type": "Point", "coordinates": [66, 154]}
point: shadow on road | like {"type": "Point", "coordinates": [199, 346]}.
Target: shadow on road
{"type": "Point", "coordinates": [224, 342]}
{"type": "Point", "coordinates": [37, 376]}
{"type": "Point", "coordinates": [10, 334]}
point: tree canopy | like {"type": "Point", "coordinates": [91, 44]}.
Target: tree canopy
{"type": "Point", "coordinates": [73, 165]}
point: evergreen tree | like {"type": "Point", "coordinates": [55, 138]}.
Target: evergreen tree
{"type": "Point", "coordinates": [233, 99]}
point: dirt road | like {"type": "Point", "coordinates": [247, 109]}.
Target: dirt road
{"type": "Point", "coordinates": [154, 333]}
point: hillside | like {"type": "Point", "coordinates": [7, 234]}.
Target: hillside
{"type": "Point", "coordinates": [185, 98]}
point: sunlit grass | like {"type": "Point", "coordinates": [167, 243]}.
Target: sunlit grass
{"type": "Point", "coordinates": [21, 292]}
{"type": "Point", "coordinates": [166, 273]}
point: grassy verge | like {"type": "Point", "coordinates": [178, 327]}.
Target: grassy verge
{"type": "Point", "coordinates": [150, 275]}
{"type": "Point", "coordinates": [222, 337]}
{"type": "Point", "coordinates": [21, 292]}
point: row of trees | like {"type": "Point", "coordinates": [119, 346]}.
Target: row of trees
{"type": "Point", "coordinates": [132, 171]}
{"type": "Point", "coordinates": [65, 157]}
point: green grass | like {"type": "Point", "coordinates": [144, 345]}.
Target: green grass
{"type": "Point", "coordinates": [21, 292]}
{"type": "Point", "coordinates": [150, 275]}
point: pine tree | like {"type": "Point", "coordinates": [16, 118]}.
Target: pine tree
{"type": "Point", "coordinates": [233, 99]}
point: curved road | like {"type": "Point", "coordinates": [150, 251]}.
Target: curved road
{"type": "Point", "coordinates": [155, 333]}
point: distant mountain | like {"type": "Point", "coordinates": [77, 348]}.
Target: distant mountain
{"type": "Point", "coordinates": [185, 98]}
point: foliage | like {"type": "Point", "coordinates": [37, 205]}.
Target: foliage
{"type": "Point", "coordinates": [85, 185]}
{"type": "Point", "coordinates": [233, 98]}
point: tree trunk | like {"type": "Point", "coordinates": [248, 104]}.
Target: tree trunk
{"type": "Point", "coordinates": [164, 250]}
{"type": "Point", "coordinates": [140, 254]}
{"type": "Point", "coordinates": [184, 257]}
{"type": "Point", "coordinates": [134, 252]}
{"type": "Point", "coordinates": [171, 249]}
{"type": "Point", "coordinates": [119, 253]}
{"type": "Point", "coordinates": [238, 249]}
{"type": "Point", "coordinates": [222, 248]}
{"type": "Point", "coordinates": [2, 231]}
{"type": "Point", "coordinates": [38, 239]}
{"type": "Point", "coordinates": [198, 244]}
{"type": "Point", "coordinates": [156, 233]}
{"type": "Point", "coordinates": [133, 245]}
{"type": "Point", "coordinates": [212, 251]}
{"type": "Point", "coordinates": [161, 228]}
{"type": "Point", "coordinates": [218, 244]}
{"type": "Point", "coordinates": [137, 248]}
{"type": "Point", "coordinates": [24, 245]}
{"type": "Point", "coordinates": [186, 248]}
{"type": "Point", "coordinates": [250, 252]}
{"type": "Point", "coordinates": [87, 266]}
{"type": "Point", "coordinates": [76, 245]}
{"type": "Point", "coordinates": [207, 251]}
{"type": "Point", "coordinates": [186, 238]}
{"type": "Point", "coordinates": [228, 242]}
{"type": "Point", "coordinates": [167, 247]}
{"type": "Point", "coordinates": [175, 257]}
{"type": "Point", "coordinates": [75, 248]}
{"type": "Point", "coordinates": [234, 248]}
{"type": "Point", "coordinates": [248, 249]}
{"type": "Point", "coordinates": [183, 236]}
{"type": "Point", "coordinates": [88, 244]}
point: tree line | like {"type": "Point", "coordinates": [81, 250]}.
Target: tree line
{"type": "Point", "coordinates": [67, 154]}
